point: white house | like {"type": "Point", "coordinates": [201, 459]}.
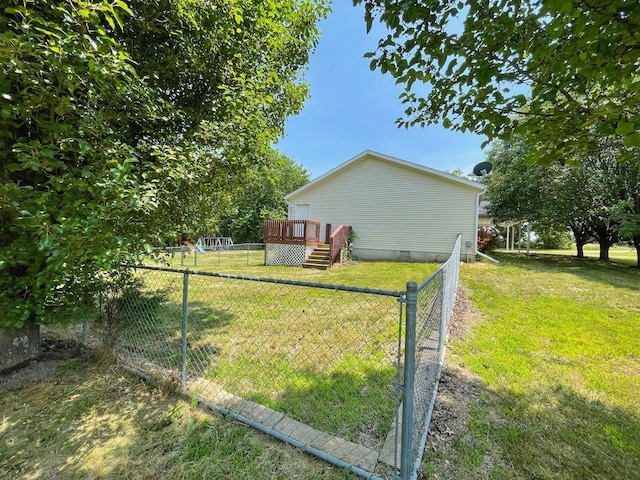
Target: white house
{"type": "Point", "coordinates": [399, 210]}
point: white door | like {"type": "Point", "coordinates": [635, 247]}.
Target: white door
{"type": "Point", "coordinates": [302, 213]}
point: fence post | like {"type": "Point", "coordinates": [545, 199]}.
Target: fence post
{"type": "Point", "coordinates": [443, 313]}
{"type": "Point", "coordinates": [183, 346]}
{"type": "Point", "coordinates": [406, 448]}
{"type": "Point", "coordinates": [195, 256]}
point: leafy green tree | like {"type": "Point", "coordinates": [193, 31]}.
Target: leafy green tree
{"type": "Point", "coordinates": [125, 123]}
{"type": "Point", "coordinates": [557, 72]}
{"type": "Point", "coordinates": [553, 240]}
{"type": "Point", "coordinates": [262, 197]}
{"type": "Point", "coordinates": [627, 213]}
{"type": "Point", "coordinates": [568, 204]}
{"type": "Point", "coordinates": [559, 196]}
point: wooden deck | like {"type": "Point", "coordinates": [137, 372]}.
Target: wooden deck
{"type": "Point", "coordinates": [291, 232]}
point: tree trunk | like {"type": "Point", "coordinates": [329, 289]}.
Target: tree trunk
{"type": "Point", "coordinates": [636, 243]}
{"type": "Point", "coordinates": [17, 345]}
{"type": "Point", "coordinates": [604, 250]}
{"type": "Point", "coordinates": [582, 236]}
{"type": "Point", "coordinates": [606, 236]}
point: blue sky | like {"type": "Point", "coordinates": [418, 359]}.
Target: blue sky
{"type": "Point", "coordinates": [352, 109]}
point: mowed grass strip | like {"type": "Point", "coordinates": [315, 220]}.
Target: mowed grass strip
{"type": "Point", "coordinates": [326, 358]}
{"type": "Point", "coordinates": [557, 351]}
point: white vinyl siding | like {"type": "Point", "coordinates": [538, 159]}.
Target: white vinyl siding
{"type": "Point", "coordinates": [394, 207]}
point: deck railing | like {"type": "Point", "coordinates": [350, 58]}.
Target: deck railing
{"type": "Point", "coordinates": [301, 232]}
{"type": "Point", "coordinates": [337, 241]}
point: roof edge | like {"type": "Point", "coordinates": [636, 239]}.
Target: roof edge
{"type": "Point", "coordinates": [388, 158]}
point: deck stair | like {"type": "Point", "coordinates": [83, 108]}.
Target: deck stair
{"type": "Point", "coordinates": [319, 258]}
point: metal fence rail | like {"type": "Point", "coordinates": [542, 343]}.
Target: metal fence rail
{"type": "Point", "coordinates": [348, 374]}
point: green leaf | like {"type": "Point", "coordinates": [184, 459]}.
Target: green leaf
{"type": "Point", "coordinates": [368, 18]}
{"type": "Point", "coordinates": [110, 21]}
{"type": "Point", "coordinates": [632, 140]}
{"type": "Point", "coordinates": [624, 128]}
{"type": "Point", "coordinates": [124, 6]}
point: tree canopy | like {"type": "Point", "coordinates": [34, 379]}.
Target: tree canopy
{"type": "Point", "coordinates": [596, 201]}
{"type": "Point", "coordinates": [261, 197]}
{"type": "Point", "coordinates": [125, 123]}
{"type": "Point", "coordinates": [560, 73]}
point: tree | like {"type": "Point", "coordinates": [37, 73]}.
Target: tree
{"type": "Point", "coordinates": [627, 213]}
{"type": "Point", "coordinates": [123, 124]}
{"type": "Point", "coordinates": [560, 73]}
{"type": "Point", "coordinates": [261, 196]}
{"type": "Point", "coordinates": [583, 199]}
{"type": "Point", "coordinates": [626, 209]}
{"type": "Point", "coordinates": [514, 187]}
{"type": "Point", "coordinates": [568, 205]}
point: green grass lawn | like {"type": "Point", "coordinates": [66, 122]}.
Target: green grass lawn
{"type": "Point", "coordinates": [94, 422]}
{"type": "Point", "coordinates": [556, 350]}
{"type": "Point", "coordinates": [383, 275]}
{"type": "Point", "coordinates": [617, 254]}
{"type": "Point", "coordinates": [324, 357]}
{"type": "Point", "coordinates": [89, 420]}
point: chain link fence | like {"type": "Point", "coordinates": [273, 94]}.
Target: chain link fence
{"type": "Point", "coordinates": [426, 335]}
{"type": "Point", "coordinates": [345, 373]}
{"type": "Point", "coordinates": [313, 364]}
{"type": "Point", "coordinates": [208, 257]}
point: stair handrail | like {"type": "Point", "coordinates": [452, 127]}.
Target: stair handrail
{"type": "Point", "coordinates": [337, 241]}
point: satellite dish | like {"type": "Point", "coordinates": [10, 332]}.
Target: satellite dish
{"type": "Point", "coordinates": [481, 169]}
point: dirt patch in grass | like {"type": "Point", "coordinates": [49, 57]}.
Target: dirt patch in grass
{"type": "Point", "coordinates": [451, 450]}
{"type": "Point", "coordinates": [49, 365]}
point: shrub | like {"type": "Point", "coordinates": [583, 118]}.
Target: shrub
{"type": "Point", "coordinates": [488, 240]}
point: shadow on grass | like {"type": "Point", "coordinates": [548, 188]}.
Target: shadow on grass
{"type": "Point", "coordinates": [156, 333]}
{"type": "Point", "coordinates": [562, 434]}
{"type": "Point", "coordinates": [615, 274]}
{"type": "Point", "coordinates": [92, 422]}
{"type": "Point", "coordinates": [553, 433]}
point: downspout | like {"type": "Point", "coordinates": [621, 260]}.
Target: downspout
{"type": "Point", "coordinates": [475, 248]}
{"type": "Point", "coordinates": [492, 260]}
